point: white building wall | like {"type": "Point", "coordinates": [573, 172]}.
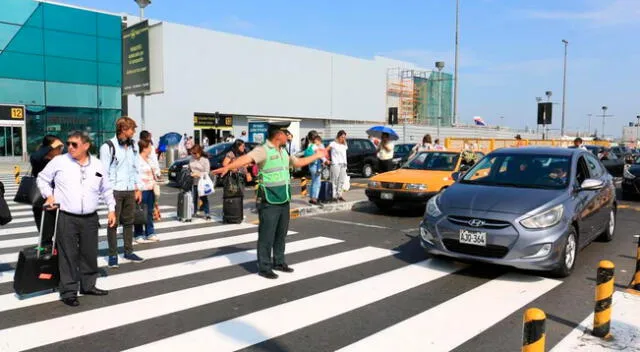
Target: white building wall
{"type": "Point", "coordinates": [208, 71]}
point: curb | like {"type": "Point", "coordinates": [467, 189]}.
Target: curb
{"type": "Point", "coordinates": [326, 209]}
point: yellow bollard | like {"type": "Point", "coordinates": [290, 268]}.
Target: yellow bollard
{"type": "Point", "coordinates": [533, 330]}
{"type": "Point", "coordinates": [604, 293]}
{"type": "Point", "coordinates": [634, 286]}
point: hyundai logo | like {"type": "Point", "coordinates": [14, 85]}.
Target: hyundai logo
{"type": "Point", "coordinates": [476, 222]}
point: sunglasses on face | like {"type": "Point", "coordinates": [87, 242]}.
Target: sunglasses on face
{"type": "Point", "coordinates": [72, 144]}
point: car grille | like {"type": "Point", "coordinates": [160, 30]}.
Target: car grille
{"type": "Point", "coordinates": [488, 224]}
{"type": "Point", "coordinates": [490, 251]}
{"type": "Point", "coordinates": [392, 185]}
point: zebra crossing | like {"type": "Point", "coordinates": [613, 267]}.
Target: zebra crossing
{"type": "Point", "coordinates": [198, 290]}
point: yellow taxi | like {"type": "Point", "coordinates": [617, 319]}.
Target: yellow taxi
{"type": "Point", "coordinates": [421, 177]}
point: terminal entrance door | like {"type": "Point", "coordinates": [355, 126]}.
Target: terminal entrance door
{"type": "Point", "coordinates": [11, 142]}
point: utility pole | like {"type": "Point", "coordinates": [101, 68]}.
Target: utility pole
{"type": "Point", "coordinates": [564, 86]}
{"type": "Point", "coordinates": [142, 4]}
{"type": "Point", "coordinates": [604, 115]}
{"type": "Point", "coordinates": [455, 69]}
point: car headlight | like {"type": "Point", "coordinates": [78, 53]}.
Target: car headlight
{"type": "Point", "coordinates": [374, 184]}
{"type": "Point", "coordinates": [432, 207]}
{"type": "Point", "coordinates": [628, 175]}
{"type": "Point", "coordinates": [415, 187]}
{"type": "Point", "coordinates": [545, 219]}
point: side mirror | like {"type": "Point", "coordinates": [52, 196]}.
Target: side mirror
{"type": "Point", "coordinates": [591, 185]}
{"type": "Point", "coordinates": [455, 176]}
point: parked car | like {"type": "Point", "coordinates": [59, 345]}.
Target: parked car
{"type": "Point", "coordinates": [361, 156]}
{"type": "Point", "coordinates": [419, 179]}
{"type": "Point", "coordinates": [631, 180]}
{"type": "Point", "coordinates": [611, 162]}
{"type": "Point", "coordinates": [529, 208]}
{"type": "Point", "coordinates": [401, 153]}
{"type": "Point", "coordinates": [216, 154]}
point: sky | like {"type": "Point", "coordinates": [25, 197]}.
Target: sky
{"type": "Point", "coordinates": [511, 51]}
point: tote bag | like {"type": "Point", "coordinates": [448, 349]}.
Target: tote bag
{"type": "Point", "coordinates": [205, 186]}
{"type": "Point", "coordinates": [28, 191]}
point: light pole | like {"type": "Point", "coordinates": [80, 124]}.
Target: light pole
{"type": "Point", "coordinates": [564, 86]}
{"type": "Point", "coordinates": [604, 114]}
{"type": "Point", "coordinates": [439, 66]}
{"type": "Point", "coordinates": [538, 100]}
{"type": "Point", "coordinates": [638, 130]}
{"type": "Point", "coordinates": [545, 129]}
{"type": "Point", "coordinates": [142, 4]}
{"type": "Point", "coordinates": [455, 67]}
{"type": "Point", "coordinates": [589, 130]}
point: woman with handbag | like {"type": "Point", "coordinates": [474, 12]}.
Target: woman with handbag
{"type": "Point", "coordinates": [50, 148]}
{"type": "Point", "coordinates": [144, 211]}
{"type": "Point", "coordinates": [238, 150]}
{"type": "Point", "coordinates": [313, 144]}
{"type": "Point", "coordinates": [200, 168]}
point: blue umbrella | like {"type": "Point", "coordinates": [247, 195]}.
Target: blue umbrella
{"type": "Point", "coordinates": [171, 138]}
{"type": "Point", "coordinates": [377, 131]}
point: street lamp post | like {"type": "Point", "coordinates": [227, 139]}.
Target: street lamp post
{"type": "Point", "coordinates": [142, 4]}
{"type": "Point", "coordinates": [545, 129]}
{"type": "Point", "coordinates": [455, 68]}
{"type": "Point", "coordinates": [538, 100]}
{"type": "Point", "coordinates": [439, 66]}
{"type": "Point", "coordinates": [638, 130]}
{"type": "Point", "coordinates": [604, 114]}
{"type": "Point", "coordinates": [589, 129]}
{"type": "Point", "coordinates": [564, 86]}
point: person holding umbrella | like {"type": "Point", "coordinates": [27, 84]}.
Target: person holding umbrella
{"type": "Point", "coordinates": [385, 153]}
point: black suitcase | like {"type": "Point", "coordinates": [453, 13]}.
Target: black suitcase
{"type": "Point", "coordinates": [37, 268]}
{"type": "Point", "coordinates": [232, 210]}
{"type": "Point", "coordinates": [326, 191]}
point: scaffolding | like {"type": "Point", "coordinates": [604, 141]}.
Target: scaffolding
{"type": "Point", "coordinates": [420, 96]}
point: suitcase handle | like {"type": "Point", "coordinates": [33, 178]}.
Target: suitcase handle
{"type": "Point", "coordinates": [55, 227]}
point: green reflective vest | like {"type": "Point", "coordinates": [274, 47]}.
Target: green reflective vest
{"type": "Point", "coordinates": [274, 176]}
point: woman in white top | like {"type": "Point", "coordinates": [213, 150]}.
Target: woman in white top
{"type": "Point", "coordinates": [385, 153]}
{"type": "Point", "coordinates": [425, 146]}
{"type": "Point", "coordinates": [338, 149]}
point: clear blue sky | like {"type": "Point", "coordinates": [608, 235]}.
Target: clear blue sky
{"type": "Point", "coordinates": [511, 51]}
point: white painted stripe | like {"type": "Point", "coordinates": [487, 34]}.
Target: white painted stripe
{"type": "Point", "coordinates": [20, 206]}
{"type": "Point", "coordinates": [102, 211]}
{"type": "Point", "coordinates": [348, 222]}
{"type": "Point", "coordinates": [113, 282]}
{"type": "Point", "coordinates": [442, 324]}
{"type": "Point", "coordinates": [165, 223]}
{"type": "Point", "coordinates": [161, 252]}
{"type": "Point", "coordinates": [203, 231]}
{"type": "Point", "coordinates": [96, 320]}
{"type": "Point", "coordinates": [247, 330]}
{"type": "Point", "coordinates": [103, 244]}
{"type": "Point", "coordinates": [102, 222]}
{"type": "Point", "coordinates": [625, 325]}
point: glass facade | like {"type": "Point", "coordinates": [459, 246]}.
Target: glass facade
{"type": "Point", "coordinates": [65, 65]}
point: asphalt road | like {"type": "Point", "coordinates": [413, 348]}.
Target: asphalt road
{"type": "Point", "coordinates": [358, 274]}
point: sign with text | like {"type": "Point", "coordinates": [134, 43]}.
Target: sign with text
{"type": "Point", "coordinates": [135, 59]}
{"type": "Point", "coordinates": [212, 120]}
{"type": "Point", "coordinates": [12, 113]}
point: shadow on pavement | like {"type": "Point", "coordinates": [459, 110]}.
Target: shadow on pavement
{"type": "Point", "coordinates": [245, 333]}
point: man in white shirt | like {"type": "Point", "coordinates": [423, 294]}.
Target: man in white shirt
{"type": "Point", "coordinates": [80, 179]}
{"type": "Point", "coordinates": [292, 145]}
{"type": "Point", "coordinates": [338, 150]}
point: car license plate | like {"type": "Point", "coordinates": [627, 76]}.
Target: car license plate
{"type": "Point", "coordinates": [386, 195]}
{"type": "Point", "coordinates": [173, 174]}
{"type": "Point", "coordinates": [473, 237]}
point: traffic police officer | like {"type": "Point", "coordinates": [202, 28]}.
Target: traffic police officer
{"type": "Point", "coordinates": [274, 195]}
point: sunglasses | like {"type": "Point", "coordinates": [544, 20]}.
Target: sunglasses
{"type": "Point", "coordinates": [72, 144]}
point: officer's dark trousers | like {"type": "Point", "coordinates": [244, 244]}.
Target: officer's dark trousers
{"type": "Point", "coordinates": [272, 232]}
{"type": "Point", "coordinates": [77, 240]}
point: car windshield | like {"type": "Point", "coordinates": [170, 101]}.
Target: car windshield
{"type": "Point", "coordinates": [217, 149]}
{"type": "Point", "coordinates": [521, 170]}
{"type": "Point", "coordinates": [435, 161]}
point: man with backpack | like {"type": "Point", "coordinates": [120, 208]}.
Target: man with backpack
{"type": "Point", "coordinates": [119, 156]}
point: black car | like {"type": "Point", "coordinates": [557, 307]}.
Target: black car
{"type": "Point", "coordinates": [216, 154]}
{"type": "Point", "coordinates": [361, 156]}
{"type": "Point", "coordinates": [611, 162]}
{"type": "Point", "coordinates": [401, 153]}
{"type": "Point", "coordinates": [631, 180]}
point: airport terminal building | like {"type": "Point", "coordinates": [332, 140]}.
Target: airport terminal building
{"type": "Point", "coordinates": [70, 68]}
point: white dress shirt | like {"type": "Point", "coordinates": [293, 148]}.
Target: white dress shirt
{"type": "Point", "coordinates": [77, 188]}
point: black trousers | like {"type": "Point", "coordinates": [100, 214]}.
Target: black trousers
{"type": "Point", "coordinates": [77, 243]}
{"type": "Point", "coordinates": [272, 232]}
{"type": "Point", "coordinates": [125, 213]}
{"type": "Point", "coordinates": [385, 165]}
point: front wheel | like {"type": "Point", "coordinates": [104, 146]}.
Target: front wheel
{"type": "Point", "coordinates": [607, 235]}
{"type": "Point", "coordinates": [367, 170]}
{"type": "Point", "coordinates": [569, 254]}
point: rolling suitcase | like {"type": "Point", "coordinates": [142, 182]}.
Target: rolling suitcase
{"type": "Point", "coordinates": [185, 206]}
{"type": "Point", "coordinates": [232, 210]}
{"type": "Point", "coordinates": [37, 268]}
{"type": "Point", "coordinates": [326, 191]}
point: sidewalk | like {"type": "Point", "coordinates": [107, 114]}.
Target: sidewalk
{"type": "Point", "coordinates": [300, 206]}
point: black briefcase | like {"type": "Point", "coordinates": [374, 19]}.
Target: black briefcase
{"type": "Point", "coordinates": [37, 268]}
